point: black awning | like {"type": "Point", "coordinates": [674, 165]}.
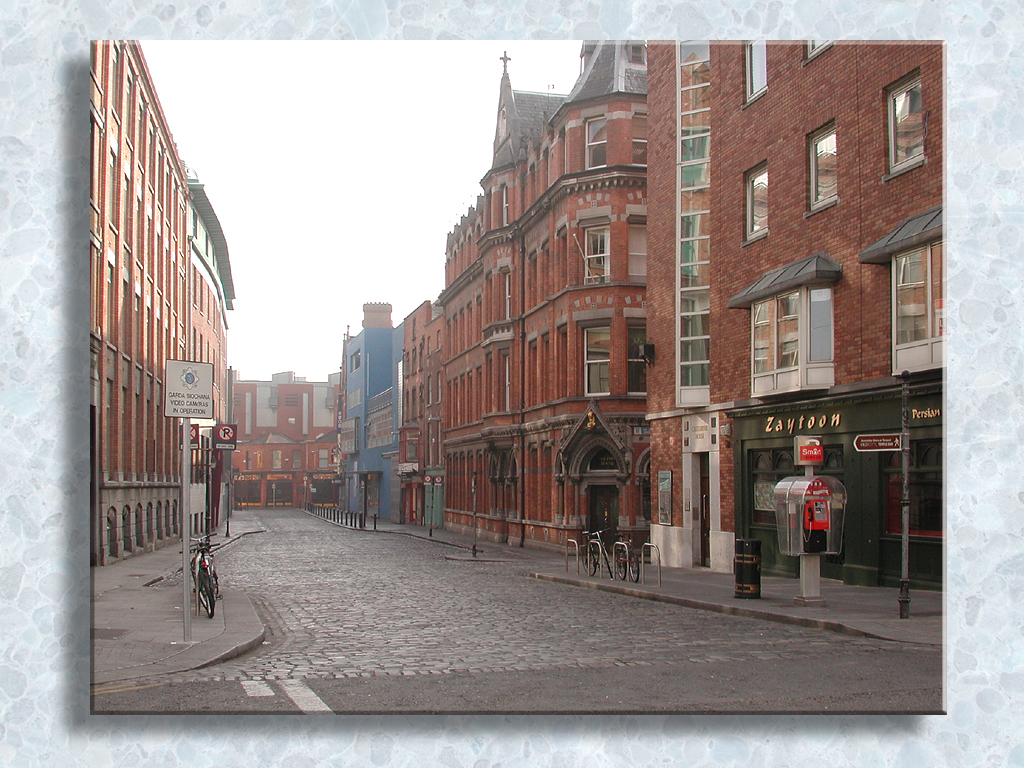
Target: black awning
{"type": "Point", "coordinates": [819, 269]}
{"type": "Point", "coordinates": [918, 229]}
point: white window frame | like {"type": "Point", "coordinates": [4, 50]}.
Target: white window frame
{"type": "Point", "coordinates": [813, 363]}
{"type": "Point", "coordinates": [633, 358]}
{"type": "Point", "coordinates": [927, 351]}
{"type": "Point", "coordinates": [590, 362]}
{"type": "Point", "coordinates": [752, 227]}
{"type": "Point", "coordinates": [593, 145]}
{"type": "Point", "coordinates": [756, 66]}
{"type": "Point", "coordinates": [638, 253]}
{"type": "Point", "coordinates": [816, 47]}
{"type": "Point", "coordinates": [817, 139]}
{"type": "Point", "coordinates": [895, 106]}
{"type": "Point", "coordinates": [597, 264]}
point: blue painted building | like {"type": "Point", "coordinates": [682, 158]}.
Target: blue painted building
{"type": "Point", "coordinates": [369, 432]}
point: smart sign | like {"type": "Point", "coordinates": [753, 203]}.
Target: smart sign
{"type": "Point", "coordinates": [189, 389]}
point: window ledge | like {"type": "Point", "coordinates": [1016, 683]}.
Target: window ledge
{"type": "Point", "coordinates": [910, 165]}
{"type": "Point", "coordinates": [822, 206]}
{"type": "Point", "coordinates": [759, 235]}
{"type": "Point", "coordinates": [754, 97]}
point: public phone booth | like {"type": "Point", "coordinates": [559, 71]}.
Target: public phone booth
{"type": "Point", "coordinates": [809, 513]}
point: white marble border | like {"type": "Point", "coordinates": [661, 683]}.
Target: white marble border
{"type": "Point", "coordinates": [44, 370]}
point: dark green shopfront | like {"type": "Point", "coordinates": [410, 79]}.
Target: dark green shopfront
{"type": "Point", "coordinates": [763, 445]}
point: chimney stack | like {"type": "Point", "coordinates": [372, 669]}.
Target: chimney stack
{"type": "Point", "coordinates": [377, 315]}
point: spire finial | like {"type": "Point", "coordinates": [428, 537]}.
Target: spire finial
{"type": "Point", "coordinates": [505, 59]}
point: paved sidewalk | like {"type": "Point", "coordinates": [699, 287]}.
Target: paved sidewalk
{"type": "Point", "coordinates": [138, 628]}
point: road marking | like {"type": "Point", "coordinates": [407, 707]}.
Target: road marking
{"type": "Point", "coordinates": [303, 697]}
{"type": "Point", "coordinates": [256, 688]}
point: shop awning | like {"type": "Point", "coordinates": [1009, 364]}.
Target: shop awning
{"type": "Point", "coordinates": [917, 230]}
{"type": "Point", "coordinates": [819, 269]}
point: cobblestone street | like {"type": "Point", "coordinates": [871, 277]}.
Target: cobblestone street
{"type": "Point", "coordinates": [393, 617]}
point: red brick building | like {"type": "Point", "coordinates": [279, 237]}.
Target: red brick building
{"type": "Point", "coordinates": [545, 315]}
{"type": "Point", "coordinates": [421, 459]}
{"type": "Point", "coordinates": [287, 452]}
{"type": "Point", "coordinates": [160, 285]}
{"type": "Point", "coordinates": [823, 265]}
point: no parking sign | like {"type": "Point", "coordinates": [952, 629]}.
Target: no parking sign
{"type": "Point", "coordinates": [225, 437]}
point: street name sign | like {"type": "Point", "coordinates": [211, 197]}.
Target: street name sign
{"type": "Point", "coordinates": [189, 388]}
{"type": "Point", "coordinates": [890, 442]}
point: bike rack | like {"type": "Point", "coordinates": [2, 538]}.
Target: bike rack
{"type": "Point", "coordinates": [643, 570]}
{"type": "Point", "coordinates": [615, 546]}
{"type": "Point", "coordinates": [577, 545]}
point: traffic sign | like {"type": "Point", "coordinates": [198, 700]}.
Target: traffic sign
{"type": "Point", "coordinates": [225, 437]}
{"type": "Point", "coordinates": [189, 389]}
{"type": "Point", "coordinates": [890, 442]}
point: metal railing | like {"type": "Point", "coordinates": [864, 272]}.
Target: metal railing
{"type": "Point", "coordinates": [576, 544]}
{"type": "Point", "coordinates": [643, 576]}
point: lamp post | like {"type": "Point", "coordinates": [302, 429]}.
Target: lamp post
{"type": "Point", "coordinates": [474, 514]}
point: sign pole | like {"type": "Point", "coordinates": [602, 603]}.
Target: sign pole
{"type": "Point", "coordinates": [186, 471]}
{"type": "Point", "coordinates": [904, 598]}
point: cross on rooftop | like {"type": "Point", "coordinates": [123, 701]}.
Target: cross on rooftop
{"type": "Point", "coordinates": [505, 59]}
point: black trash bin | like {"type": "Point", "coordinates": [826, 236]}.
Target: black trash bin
{"type": "Point", "coordinates": [748, 568]}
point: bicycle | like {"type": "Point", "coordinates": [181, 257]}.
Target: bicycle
{"type": "Point", "coordinates": [204, 576]}
{"type": "Point", "coordinates": [596, 553]}
{"type": "Point", "coordinates": [627, 563]}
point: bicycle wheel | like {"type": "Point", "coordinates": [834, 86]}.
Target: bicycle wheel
{"type": "Point", "coordinates": [206, 599]}
{"type": "Point", "coordinates": [620, 565]}
{"type": "Point", "coordinates": [634, 567]}
{"type": "Point", "coordinates": [594, 558]}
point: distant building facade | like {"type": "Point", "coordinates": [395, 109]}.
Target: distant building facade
{"type": "Point", "coordinates": [156, 294]}
{"type": "Point", "coordinates": [287, 454]}
{"type": "Point", "coordinates": [545, 316]}
{"type": "Point", "coordinates": [420, 461]}
{"type": "Point", "coordinates": [368, 438]}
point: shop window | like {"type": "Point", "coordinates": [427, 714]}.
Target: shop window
{"type": "Point", "coordinates": [925, 481]}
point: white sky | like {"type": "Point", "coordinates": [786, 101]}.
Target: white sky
{"type": "Point", "coordinates": [337, 170]}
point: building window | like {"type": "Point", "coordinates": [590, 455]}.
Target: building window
{"type": "Point", "coordinates": [597, 142]}
{"type": "Point", "coordinates": [757, 202]}
{"type": "Point", "coordinates": [824, 185]}
{"type": "Point", "coordinates": [925, 490]}
{"type": "Point", "coordinates": [276, 460]}
{"type": "Point", "coordinates": [792, 341]}
{"type": "Point", "coordinates": [598, 360]}
{"type": "Point", "coordinates": [323, 458]}
{"type": "Point", "coordinates": [906, 126]}
{"type": "Point", "coordinates": [639, 129]}
{"type": "Point", "coordinates": [757, 68]}
{"type": "Point", "coordinates": [814, 47]}
{"type": "Point", "coordinates": [636, 367]}
{"type": "Point", "coordinates": [919, 308]}
{"type": "Point", "coordinates": [636, 54]}
{"type": "Point", "coordinates": [597, 256]}
{"type": "Point", "coordinates": [504, 205]}
{"type": "Point", "coordinates": [638, 253]}
{"type": "Point", "coordinates": [355, 361]}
